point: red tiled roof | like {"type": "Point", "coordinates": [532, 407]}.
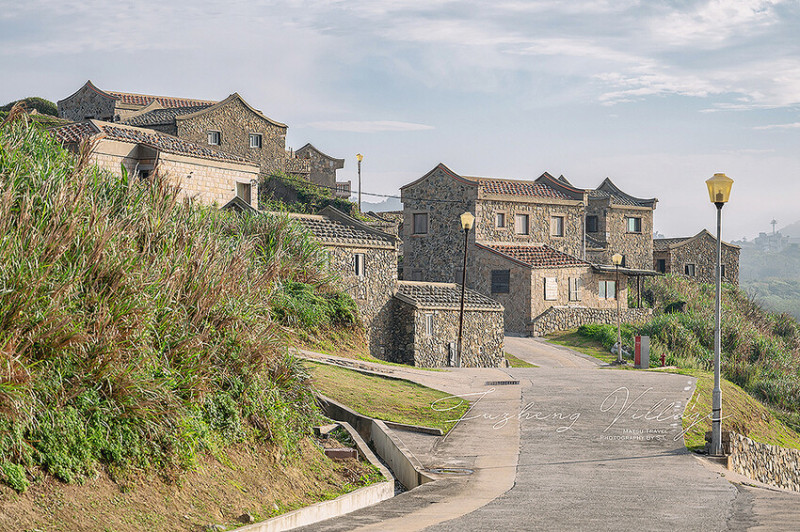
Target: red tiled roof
{"type": "Point", "coordinates": [519, 188]}
{"type": "Point", "coordinates": [540, 256]}
{"type": "Point", "coordinates": [166, 101]}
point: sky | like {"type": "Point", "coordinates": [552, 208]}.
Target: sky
{"type": "Point", "coordinates": [656, 95]}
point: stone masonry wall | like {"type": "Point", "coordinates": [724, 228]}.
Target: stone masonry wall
{"type": "Point", "coordinates": [236, 121]}
{"type": "Point", "coordinates": [372, 293]}
{"type": "Point", "coordinates": [636, 247]}
{"type": "Point", "coordinates": [590, 296]}
{"type": "Point", "coordinates": [566, 318]}
{"type": "Point", "coordinates": [322, 169]}
{"type": "Point", "coordinates": [703, 254]}
{"type": "Point", "coordinates": [539, 215]}
{"type": "Point", "coordinates": [482, 338]}
{"type": "Point", "coordinates": [770, 464]}
{"type": "Point", "coordinates": [87, 103]}
{"type": "Point", "coordinates": [208, 183]}
{"type": "Point", "coordinates": [439, 254]}
{"type": "Point", "coordinates": [517, 302]}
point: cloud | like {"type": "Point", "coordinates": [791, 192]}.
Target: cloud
{"type": "Point", "coordinates": [794, 125]}
{"type": "Point", "coordinates": [373, 126]}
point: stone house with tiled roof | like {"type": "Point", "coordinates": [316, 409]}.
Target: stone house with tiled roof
{"type": "Point", "coordinates": [204, 175]}
{"type": "Point", "coordinates": [322, 169]}
{"type": "Point", "coordinates": [426, 326]}
{"type": "Point", "coordinates": [617, 222]}
{"type": "Point", "coordinates": [696, 257]}
{"type": "Point", "coordinates": [398, 328]}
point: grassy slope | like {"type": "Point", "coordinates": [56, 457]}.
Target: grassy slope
{"type": "Point", "coordinates": [387, 399]}
{"type": "Point", "coordinates": [138, 333]}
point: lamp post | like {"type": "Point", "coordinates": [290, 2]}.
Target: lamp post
{"type": "Point", "coordinates": [359, 158]}
{"type": "Point", "coordinates": [467, 220]}
{"type": "Point", "coordinates": [719, 190]}
{"type": "Point", "coordinates": [616, 258]}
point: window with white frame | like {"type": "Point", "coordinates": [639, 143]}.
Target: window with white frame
{"type": "Point", "coordinates": [633, 225]}
{"type": "Point", "coordinates": [214, 138]}
{"type": "Point", "coordinates": [575, 288]}
{"type": "Point", "coordinates": [255, 140]}
{"type": "Point", "coordinates": [550, 289]}
{"type": "Point", "coordinates": [420, 223]}
{"type": "Point", "coordinates": [521, 226]}
{"type": "Point", "coordinates": [428, 324]}
{"type": "Point", "coordinates": [358, 264]}
{"type": "Point", "coordinates": [607, 290]}
{"type": "Point", "coordinates": [500, 220]}
{"type": "Point", "coordinates": [556, 226]}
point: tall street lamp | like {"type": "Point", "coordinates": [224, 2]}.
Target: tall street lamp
{"type": "Point", "coordinates": [359, 158]}
{"type": "Point", "coordinates": [616, 258]}
{"type": "Point", "coordinates": [719, 190]}
{"type": "Point", "coordinates": [467, 220]}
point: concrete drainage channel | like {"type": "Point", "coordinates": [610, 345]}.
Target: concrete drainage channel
{"type": "Point", "coordinates": [405, 468]}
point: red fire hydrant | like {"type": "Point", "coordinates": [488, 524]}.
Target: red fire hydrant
{"type": "Point", "coordinates": [663, 360]}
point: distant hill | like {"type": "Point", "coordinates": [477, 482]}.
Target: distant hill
{"type": "Point", "coordinates": [389, 204]}
{"type": "Point", "coordinates": [792, 230]}
{"type": "Point", "coordinates": [772, 278]}
{"type": "Point", "coordinates": [42, 106]}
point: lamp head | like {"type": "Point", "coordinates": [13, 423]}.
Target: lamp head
{"type": "Point", "coordinates": [719, 188]}
{"type": "Point", "coordinates": [616, 258]}
{"type": "Point", "coordinates": [359, 157]}
{"type": "Point", "coordinates": [467, 220]}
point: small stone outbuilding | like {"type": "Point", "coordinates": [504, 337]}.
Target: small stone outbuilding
{"type": "Point", "coordinates": [696, 257]}
{"type": "Point", "coordinates": [427, 322]}
{"type": "Point", "coordinates": [206, 176]}
{"type": "Point", "coordinates": [322, 168]}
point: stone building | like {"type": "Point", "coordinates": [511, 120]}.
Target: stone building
{"type": "Point", "coordinates": [206, 176]}
{"type": "Point", "coordinates": [529, 279]}
{"type": "Point", "coordinates": [617, 222]}
{"type": "Point", "coordinates": [365, 262]}
{"type": "Point", "coordinates": [322, 169]}
{"type": "Point", "coordinates": [89, 102]}
{"type": "Point", "coordinates": [696, 257]}
{"type": "Point", "coordinates": [426, 326]}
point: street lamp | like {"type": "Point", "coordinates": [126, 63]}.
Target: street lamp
{"type": "Point", "coordinates": [719, 190]}
{"type": "Point", "coordinates": [359, 158]}
{"type": "Point", "coordinates": [467, 219]}
{"type": "Point", "coordinates": [616, 258]}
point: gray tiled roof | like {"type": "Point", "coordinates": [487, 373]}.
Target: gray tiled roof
{"type": "Point", "coordinates": [330, 231]}
{"type": "Point", "coordinates": [160, 117]}
{"type": "Point", "coordinates": [535, 256]}
{"type": "Point", "coordinates": [607, 189]}
{"type": "Point", "coordinates": [508, 187]}
{"type": "Point", "coordinates": [443, 296]}
{"type": "Point", "coordinates": [662, 244]}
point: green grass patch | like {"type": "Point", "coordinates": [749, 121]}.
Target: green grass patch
{"type": "Point", "coordinates": [516, 362]}
{"type": "Point", "coordinates": [400, 401]}
{"type": "Point", "coordinates": [741, 413]}
{"type": "Point", "coordinates": [583, 344]}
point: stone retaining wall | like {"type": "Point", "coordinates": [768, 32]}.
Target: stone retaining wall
{"type": "Point", "coordinates": [565, 318]}
{"type": "Point", "coordinates": [765, 463]}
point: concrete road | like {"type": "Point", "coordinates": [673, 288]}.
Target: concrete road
{"type": "Point", "coordinates": [546, 355]}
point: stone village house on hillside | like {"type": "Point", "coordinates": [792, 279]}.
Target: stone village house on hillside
{"type": "Point", "coordinates": [412, 323]}
{"type": "Point", "coordinates": [531, 229]}
{"type": "Point", "coordinates": [231, 125]}
{"type": "Point", "coordinates": [696, 257]}
{"type": "Point", "coordinates": [204, 175]}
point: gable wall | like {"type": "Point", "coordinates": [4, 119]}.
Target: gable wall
{"type": "Point", "coordinates": [702, 252]}
{"type": "Point", "coordinates": [636, 247]}
{"type": "Point", "coordinates": [235, 122]}
{"type": "Point", "coordinates": [322, 169]}
{"type": "Point", "coordinates": [87, 103]}
{"type": "Point", "coordinates": [517, 302]}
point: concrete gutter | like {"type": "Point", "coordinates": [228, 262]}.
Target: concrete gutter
{"type": "Point", "coordinates": [344, 504]}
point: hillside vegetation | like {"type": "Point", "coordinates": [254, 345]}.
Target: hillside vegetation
{"type": "Point", "coordinates": [760, 350]}
{"type": "Point", "coordinates": [773, 278]}
{"type": "Point", "coordinates": [139, 331]}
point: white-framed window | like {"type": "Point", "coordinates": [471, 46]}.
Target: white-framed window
{"type": "Point", "coordinates": [214, 138]}
{"type": "Point", "coordinates": [428, 324]}
{"type": "Point", "coordinates": [550, 289]}
{"type": "Point", "coordinates": [420, 223]}
{"type": "Point", "coordinates": [255, 140]}
{"type": "Point", "coordinates": [689, 270]}
{"type": "Point", "coordinates": [500, 220]}
{"type": "Point", "coordinates": [607, 290]}
{"type": "Point", "coordinates": [244, 191]}
{"type": "Point", "coordinates": [575, 288]}
{"type": "Point", "coordinates": [633, 225]}
{"type": "Point", "coordinates": [358, 264]}
{"type": "Point", "coordinates": [556, 226]}
{"type": "Point", "coordinates": [521, 224]}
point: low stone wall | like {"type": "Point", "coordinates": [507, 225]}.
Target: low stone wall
{"type": "Point", "coordinates": [565, 318]}
{"type": "Point", "coordinates": [765, 463]}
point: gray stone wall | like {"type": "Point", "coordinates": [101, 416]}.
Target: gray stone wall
{"type": "Point", "coordinates": [539, 215]}
{"type": "Point", "coordinates": [566, 318]}
{"type": "Point", "coordinates": [482, 338]}
{"type": "Point", "coordinates": [765, 463]}
{"type": "Point", "coordinates": [517, 303]}
{"type": "Point", "coordinates": [439, 254]}
{"type": "Point", "coordinates": [86, 103]}
{"type": "Point", "coordinates": [236, 121]}
{"type": "Point", "coordinates": [702, 252]}
{"type": "Point", "coordinates": [322, 169]}
{"type": "Point", "coordinates": [372, 293]}
{"type": "Point", "coordinates": [636, 247]}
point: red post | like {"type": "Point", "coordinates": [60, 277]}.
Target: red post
{"type": "Point", "coordinates": [663, 360]}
